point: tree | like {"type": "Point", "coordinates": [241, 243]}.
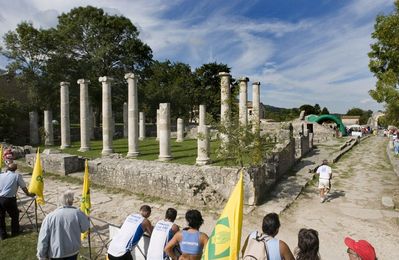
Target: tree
{"type": "Point", "coordinates": [86, 43]}
{"type": "Point", "coordinates": [364, 115]}
{"type": "Point", "coordinates": [207, 87]}
{"type": "Point", "coordinates": [384, 62]}
{"type": "Point", "coordinates": [317, 109]}
{"type": "Point", "coordinates": [324, 111]}
{"type": "Point", "coordinates": [168, 83]}
{"type": "Point", "coordinates": [309, 109]}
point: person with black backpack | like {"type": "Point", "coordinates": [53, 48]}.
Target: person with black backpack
{"type": "Point", "coordinates": [264, 246]}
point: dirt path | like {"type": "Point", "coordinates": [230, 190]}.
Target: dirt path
{"type": "Point", "coordinates": [361, 179]}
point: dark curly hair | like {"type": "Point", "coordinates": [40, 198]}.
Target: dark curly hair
{"type": "Point", "coordinates": [308, 245]}
{"type": "Point", "coordinates": [194, 218]}
{"type": "Point", "coordinates": [271, 224]}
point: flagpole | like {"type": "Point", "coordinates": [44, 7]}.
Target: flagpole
{"type": "Point", "coordinates": [37, 226]}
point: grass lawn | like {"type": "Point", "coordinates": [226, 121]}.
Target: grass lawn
{"type": "Point", "coordinates": [21, 247]}
{"type": "Point", "coordinates": [184, 152]}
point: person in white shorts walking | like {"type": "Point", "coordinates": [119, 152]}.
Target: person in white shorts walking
{"type": "Point", "coordinates": [325, 176]}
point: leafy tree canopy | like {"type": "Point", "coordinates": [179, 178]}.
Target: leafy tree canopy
{"type": "Point", "coordinates": [384, 62]}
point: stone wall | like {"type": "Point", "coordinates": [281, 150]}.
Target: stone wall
{"type": "Point", "coordinates": [196, 185]}
{"type": "Point", "coordinates": [59, 163]}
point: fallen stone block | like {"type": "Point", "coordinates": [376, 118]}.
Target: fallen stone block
{"type": "Point", "coordinates": [58, 163]}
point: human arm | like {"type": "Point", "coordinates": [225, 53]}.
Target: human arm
{"type": "Point", "coordinates": [285, 251]}
{"type": "Point", "coordinates": [21, 183]}
{"type": "Point", "coordinates": [147, 226]}
{"type": "Point", "coordinates": [175, 228]}
{"type": "Point", "coordinates": [171, 244]}
{"type": "Point", "coordinates": [43, 241]}
{"type": "Point", "coordinates": [84, 221]}
{"type": "Point", "coordinates": [203, 239]}
{"type": "Point", "coordinates": [30, 194]}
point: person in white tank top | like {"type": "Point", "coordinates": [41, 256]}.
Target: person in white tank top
{"type": "Point", "coordinates": [163, 231]}
{"type": "Point", "coordinates": [325, 175]}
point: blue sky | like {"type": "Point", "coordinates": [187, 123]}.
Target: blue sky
{"type": "Point", "coordinates": [302, 51]}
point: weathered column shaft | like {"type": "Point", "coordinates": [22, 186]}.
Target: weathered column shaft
{"type": "Point", "coordinates": [157, 125]}
{"type": "Point", "coordinates": [65, 123]}
{"type": "Point", "coordinates": [48, 128]}
{"type": "Point", "coordinates": [34, 128]}
{"type": "Point", "coordinates": [107, 115]}
{"type": "Point", "coordinates": [203, 145]}
{"type": "Point", "coordinates": [125, 120]}
{"type": "Point", "coordinates": [225, 97]}
{"type": "Point", "coordinates": [84, 115]}
{"type": "Point", "coordinates": [255, 105]}
{"type": "Point", "coordinates": [164, 132]}
{"type": "Point", "coordinates": [133, 116]}
{"type": "Point", "coordinates": [202, 115]}
{"type": "Point", "coordinates": [180, 130]}
{"type": "Point", "coordinates": [142, 126]}
{"type": "Point", "coordinates": [243, 114]}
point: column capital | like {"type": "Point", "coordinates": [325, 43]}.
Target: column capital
{"type": "Point", "coordinates": [224, 74]}
{"type": "Point", "coordinates": [256, 83]}
{"type": "Point", "coordinates": [105, 79]}
{"type": "Point", "coordinates": [83, 81]}
{"type": "Point", "coordinates": [130, 75]}
{"type": "Point", "coordinates": [245, 79]}
{"type": "Point", "coordinates": [64, 83]}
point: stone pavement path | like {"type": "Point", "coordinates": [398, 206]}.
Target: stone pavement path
{"type": "Point", "coordinates": [362, 179]}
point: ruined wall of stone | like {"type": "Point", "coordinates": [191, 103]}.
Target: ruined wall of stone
{"type": "Point", "coordinates": [195, 185]}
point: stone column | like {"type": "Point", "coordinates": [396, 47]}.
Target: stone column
{"type": "Point", "coordinates": [243, 113]}
{"type": "Point", "coordinates": [48, 128]}
{"type": "Point", "coordinates": [92, 122]}
{"type": "Point", "coordinates": [164, 132]}
{"type": "Point", "coordinates": [157, 124]}
{"type": "Point", "coordinates": [202, 115]}
{"type": "Point", "coordinates": [203, 145]}
{"type": "Point", "coordinates": [34, 128]}
{"type": "Point", "coordinates": [85, 118]}
{"type": "Point", "coordinates": [224, 98]}
{"type": "Point", "coordinates": [142, 126]}
{"type": "Point", "coordinates": [180, 130]}
{"type": "Point", "coordinates": [107, 114]}
{"type": "Point", "coordinates": [125, 120]}
{"type": "Point", "coordinates": [133, 114]}
{"type": "Point", "coordinates": [65, 122]}
{"type": "Point", "coordinates": [255, 106]}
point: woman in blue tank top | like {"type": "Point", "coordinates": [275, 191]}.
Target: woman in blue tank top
{"type": "Point", "coordinates": [190, 239]}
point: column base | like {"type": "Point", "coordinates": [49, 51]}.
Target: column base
{"type": "Point", "coordinates": [179, 140]}
{"type": "Point", "coordinates": [202, 161]}
{"type": "Point", "coordinates": [64, 146]}
{"type": "Point", "coordinates": [84, 149]}
{"type": "Point", "coordinates": [107, 151]}
{"type": "Point", "coordinates": [164, 158]}
{"type": "Point", "coordinates": [157, 139]}
{"type": "Point", "coordinates": [141, 138]}
{"type": "Point", "coordinates": [132, 154]}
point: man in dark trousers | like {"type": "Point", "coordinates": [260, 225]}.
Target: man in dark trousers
{"type": "Point", "coordinates": [9, 183]}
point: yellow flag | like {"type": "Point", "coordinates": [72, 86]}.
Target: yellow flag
{"type": "Point", "coordinates": [225, 240]}
{"type": "Point", "coordinates": [1, 157]}
{"type": "Point", "coordinates": [36, 184]}
{"type": "Point", "coordinates": [85, 204]}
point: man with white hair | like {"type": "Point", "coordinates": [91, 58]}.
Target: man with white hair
{"type": "Point", "coordinates": [59, 236]}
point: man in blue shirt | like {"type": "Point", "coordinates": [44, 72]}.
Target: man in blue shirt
{"type": "Point", "coordinates": [9, 183]}
{"type": "Point", "coordinates": [59, 236]}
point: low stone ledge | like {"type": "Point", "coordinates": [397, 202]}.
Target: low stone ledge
{"type": "Point", "coordinates": [204, 185]}
{"type": "Point", "coordinates": [59, 163]}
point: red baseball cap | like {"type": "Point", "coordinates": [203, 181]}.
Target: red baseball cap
{"type": "Point", "coordinates": [362, 248]}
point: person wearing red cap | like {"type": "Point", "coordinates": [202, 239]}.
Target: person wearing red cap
{"type": "Point", "coordinates": [360, 250]}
